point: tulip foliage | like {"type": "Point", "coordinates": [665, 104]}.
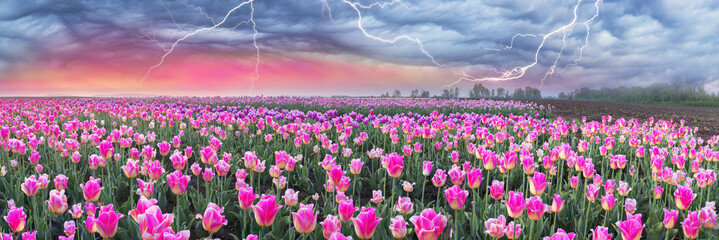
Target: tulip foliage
{"type": "Point", "coordinates": [177, 168]}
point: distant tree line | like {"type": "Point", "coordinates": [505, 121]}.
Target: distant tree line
{"type": "Point", "coordinates": [665, 93]}
{"type": "Point", "coordinates": [477, 91]}
{"type": "Point", "coordinates": [480, 91]}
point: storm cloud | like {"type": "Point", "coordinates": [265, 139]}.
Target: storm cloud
{"type": "Point", "coordinates": [631, 43]}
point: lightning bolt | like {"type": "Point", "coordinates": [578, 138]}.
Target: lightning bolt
{"type": "Point", "coordinates": [580, 50]}
{"type": "Point", "coordinates": [326, 6]}
{"type": "Point", "coordinates": [519, 71]}
{"type": "Point", "coordinates": [254, 75]}
{"type": "Point", "coordinates": [356, 6]}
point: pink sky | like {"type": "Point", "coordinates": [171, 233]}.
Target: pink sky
{"type": "Point", "coordinates": [204, 73]}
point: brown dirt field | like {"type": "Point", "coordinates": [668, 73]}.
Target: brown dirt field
{"type": "Point", "coordinates": [705, 118]}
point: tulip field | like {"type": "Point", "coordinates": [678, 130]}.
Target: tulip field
{"type": "Point", "coordinates": [177, 168]}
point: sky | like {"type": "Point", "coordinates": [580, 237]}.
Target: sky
{"type": "Point", "coordinates": [350, 47]}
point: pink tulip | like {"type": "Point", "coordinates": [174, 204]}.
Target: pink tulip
{"type": "Point", "coordinates": [574, 182]}
{"type": "Point", "coordinates": [557, 204]}
{"type": "Point", "coordinates": [168, 234]}
{"type": "Point", "coordinates": [428, 225]}
{"type": "Point", "coordinates": [16, 219]}
{"type": "Point", "coordinates": [408, 187]}
{"type": "Point", "coordinates": [213, 219]}
{"type": "Point", "coordinates": [601, 233]}
{"type": "Point", "coordinates": [60, 182]}
{"type": "Point", "coordinates": [29, 235]}
{"type": "Point", "coordinates": [280, 182]}
{"type": "Point", "coordinates": [394, 165]}
{"type": "Point", "coordinates": [657, 192]}
{"type": "Point", "coordinates": [496, 191]}
{"type": "Point", "coordinates": [153, 223]}
{"type": "Point", "coordinates": [106, 149]}
{"type": "Point", "coordinates": [474, 178]}
{"type": "Point", "coordinates": [222, 168]}
{"type": "Point", "coordinates": [426, 168]}
{"type": "Point", "coordinates": [207, 174]}
{"type": "Point", "coordinates": [670, 218]}
{"type": "Point", "coordinates": [398, 227]}
{"type": "Point", "coordinates": [631, 229]}
{"type": "Point", "coordinates": [76, 211]}
{"type": "Point", "coordinates": [495, 226]}
{"type": "Point", "coordinates": [691, 225]}
{"type": "Point", "coordinates": [131, 168]}
{"type": "Point", "coordinates": [250, 160]}
{"type": "Point", "coordinates": [145, 188]}
{"type": "Point", "coordinates": [515, 205]}
{"type": "Point", "coordinates": [339, 236]}
{"type": "Point", "coordinates": [43, 181]}
{"type": "Point", "coordinates": [164, 148]}
{"type": "Point", "coordinates": [708, 215]}
{"type": "Point", "coordinates": [592, 192]}
{"type": "Point", "coordinates": [535, 208]}
{"type": "Point", "coordinates": [75, 157]}
{"type": "Point", "coordinates": [404, 205]}
{"type": "Point", "coordinates": [456, 196]}
{"type": "Point", "coordinates": [30, 186]}
{"type": "Point", "coordinates": [561, 235]}
{"type": "Point", "coordinates": [154, 169]}
{"type": "Point", "coordinates": [356, 166]}
{"type": "Point", "coordinates": [34, 157]}
{"type": "Point", "coordinates": [456, 175]}
{"type": "Point", "coordinates": [377, 197]}
{"type": "Point", "coordinates": [208, 156]}
{"type": "Point", "coordinates": [335, 175]}
{"type": "Point", "coordinates": [245, 197]}
{"type": "Point", "coordinates": [537, 183]}
{"type": "Point", "coordinates": [630, 205]}
{"type": "Point", "coordinates": [196, 169]}
{"type": "Point", "coordinates": [513, 230]}
{"type": "Point", "coordinates": [177, 182]}
{"type": "Point", "coordinates": [330, 226]}
{"type": "Point", "coordinates": [106, 222]}
{"type": "Point", "coordinates": [608, 201]}
{"type": "Point", "coordinates": [366, 222]}
{"type": "Point", "coordinates": [90, 208]}
{"type": "Point", "coordinates": [265, 210]}
{"type": "Point", "coordinates": [8, 236]}
{"type": "Point", "coordinates": [142, 205]}
{"type": "Point", "coordinates": [683, 197]}
{"type": "Point", "coordinates": [305, 219]}
{"type": "Point", "coordinates": [439, 178]}
{"type": "Point", "coordinates": [91, 190]}
{"type": "Point", "coordinates": [178, 161]}
{"type": "Point", "coordinates": [69, 228]}
{"type": "Point", "coordinates": [623, 189]}
{"type": "Point", "coordinates": [57, 203]}
{"type": "Point", "coordinates": [291, 197]}
{"type": "Point", "coordinates": [345, 210]}
{"type": "Point", "coordinates": [609, 186]}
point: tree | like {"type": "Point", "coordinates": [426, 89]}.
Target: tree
{"type": "Point", "coordinates": [425, 93]}
{"type": "Point", "coordinates": [397, 93]}
{"type": "Point", "coordinates": [415, 93]}
{"type": "Point", "coordinates": [386, 94]}
{"type": "Point", "coordinates": [479, 91]}
{"type": "Point", "coordinates": [501, 92]}
{"type": "Point", "coordinates": [562, 95]}
{"type": "Point", "coordinates": [518, 93]}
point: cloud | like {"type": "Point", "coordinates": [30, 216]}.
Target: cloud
{"type": "Point", "coordinates": [631, 42]}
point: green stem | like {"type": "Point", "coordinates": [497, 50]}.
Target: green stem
{"type": "Point", "coordinates": [531, 229]}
